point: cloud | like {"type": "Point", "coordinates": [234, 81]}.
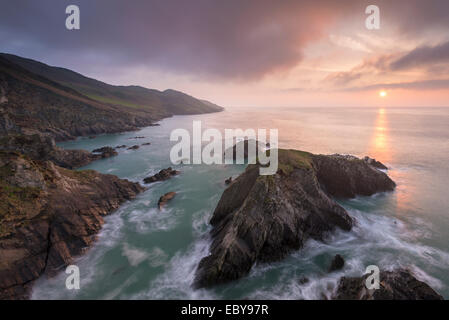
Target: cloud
{"type": "Point", "coordinates": [422, 56]}
{"type": "Point", "coordinates": [431, 61]}
{"type": "Point", "coordinates": [224, 39]}
{"type": "Point", "coordinates": [232, 39]}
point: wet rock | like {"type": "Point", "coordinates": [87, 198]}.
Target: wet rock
{"type": "Point", "coordinates": [136, 138]}
{"type": "Point", "coordinates": [394, 285]}
{"type": "Point", "coordinates": [303, 280]}
{"type": "Point", "coordinates": [50, 215]}
{"type": "Point", "coordinates": [135, 147]}
{"type": "Point", "coordinates": [228, 181]}
{"type": "Point", "coordinates": [121, 147]}
{"type": "Point", "coordinates": [92, 137]}
{"type": "Point", "coordinates": [162, 175]}
{"type": "Point", "coordinates": [337, 263]}
{"type": "Point", "coordinates": [105, 152]}
{"type": "Point", "coordinates": [146, 144]}
{"type": "Point", "coordinates": [264, 218]}
{"type": "Point", "coordinates": [165, 198]}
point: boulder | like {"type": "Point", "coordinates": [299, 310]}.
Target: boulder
{"type": "Point", "coordinates": [337, 263]}
{"type": "Point", "coordinates": [165, 198]}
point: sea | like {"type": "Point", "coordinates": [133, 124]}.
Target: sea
{"type": "Point", "coordinates": [146, 253]}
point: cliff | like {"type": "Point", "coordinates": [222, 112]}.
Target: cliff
{"type": "Point", "coordinates": [48, 215]}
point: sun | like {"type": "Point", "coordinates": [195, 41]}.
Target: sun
{"type": "Point", "coordinates": [382, 94]}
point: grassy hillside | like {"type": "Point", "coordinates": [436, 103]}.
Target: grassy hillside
{"type": "Point", "coordinates": [38, 97]}
{"type": "Point", "coordinates": [171, 101]}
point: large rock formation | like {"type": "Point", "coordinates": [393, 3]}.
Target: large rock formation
{"type": "Point", "coordinates": [348, 176]}
{"type": "Point", "coordinates": [48, 215]}
{"type": "Point", "coordinates": [263, 218]}
{"type": "Point", "coordinates": [42, 147]}
{"type": "Point", "coordinates": [394, 285]}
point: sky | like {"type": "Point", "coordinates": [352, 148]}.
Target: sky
{"type": "Point", "coordinates": [246, 53]}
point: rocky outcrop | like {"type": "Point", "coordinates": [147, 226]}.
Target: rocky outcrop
{"type": "Point", "coordinates": [135, 147]}
{"type": "Point", "coordinates": [337, 263]}
{"type": "Point", "coordinates": [348, 176]}
{"type": "Point", "coordinates": [162, 175]}
{"type": "Point", "coordinates": [374, 163]}
{"type": "Point", "coordinates": [264, 218]}
{"type": "Point", "coordinates": [165, 198]}
{"type": "Point", "coordinates": [394, 285]}
{"type": "Point", "coordinates": [48, 215]}
{"type": "Point", "coordinates": [105, 152]}
{"type": "Point", "coordinates": [241, 150]}
{"type": "Point", "coordinates": [39, 146]}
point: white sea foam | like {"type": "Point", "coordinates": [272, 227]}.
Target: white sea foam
{"type": "Point", "coordinates": [176, 281]}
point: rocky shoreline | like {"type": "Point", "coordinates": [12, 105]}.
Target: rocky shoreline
{"type": "Point", "coordinates": [42, 147]}
{"type": "Point", "coordinates": [49, 214]}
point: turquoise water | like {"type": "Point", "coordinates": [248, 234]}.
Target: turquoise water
{"type": "Point", "coordinates": [144, 253]}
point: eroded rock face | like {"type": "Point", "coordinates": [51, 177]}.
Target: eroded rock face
{"type": "Point", "coordinates": [394, 285]}
{"type": "Point", "coordinates": [49, 215]}
{"type": "Point", "coordinates": [162, 175]}
{"type": "Point", "coordinates": [264, 218]}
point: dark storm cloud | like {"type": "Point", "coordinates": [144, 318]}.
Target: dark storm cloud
{"type": "Point", "coordinates": [423, 56]}
{"type": "Point", "coordinates": [217, 39]}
